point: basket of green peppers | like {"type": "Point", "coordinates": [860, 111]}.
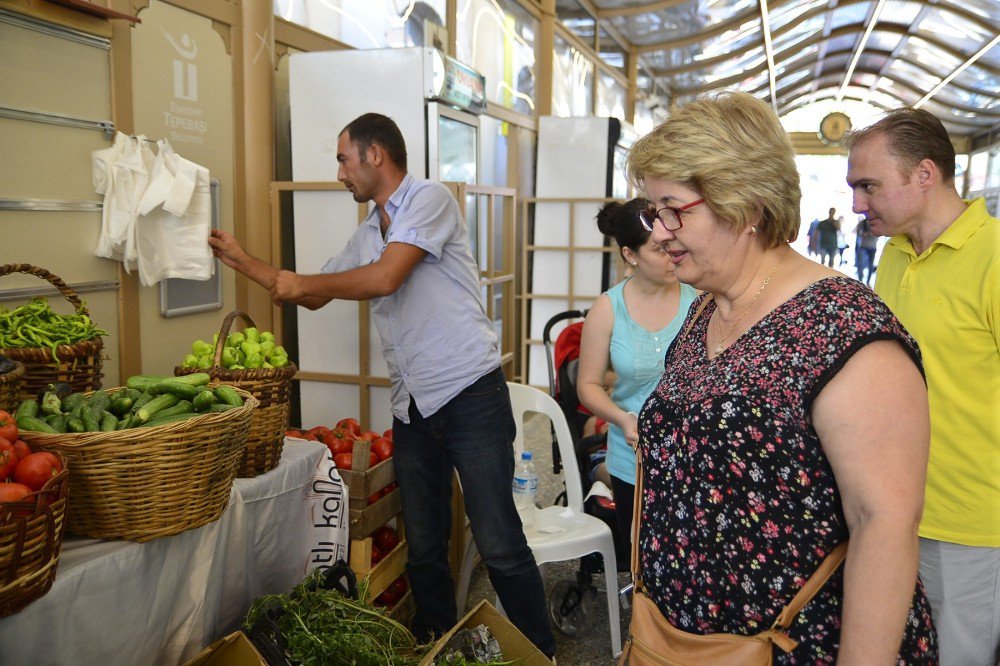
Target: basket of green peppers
{"type": "Point", "coordinates": [52, 347]}
{"type": "Point", "coordinates": [252, 361]}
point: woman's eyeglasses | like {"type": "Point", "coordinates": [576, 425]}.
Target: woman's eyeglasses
{"type": "Point", "coordinates": [670, 222]}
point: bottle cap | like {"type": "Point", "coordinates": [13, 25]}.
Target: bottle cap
{"type": "Point", "coordinates": [526, 455]}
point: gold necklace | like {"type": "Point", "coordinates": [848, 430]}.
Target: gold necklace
{"type": "Point", "coordinates": [722, 340]}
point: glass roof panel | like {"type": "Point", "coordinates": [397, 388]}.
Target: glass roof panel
{"type": "Point", "coordinates": [958, 33]}
{"type": "Point", "coordinates": [929, 55]}
{"type": "Point", "coordinates": [882, 40]}
{"type": "Point", "coordinates": [852, 14]}
{"type": "Point", "coordinates": [899, 12]}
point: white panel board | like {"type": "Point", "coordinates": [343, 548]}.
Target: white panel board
{"type": "Point", "coordinates": [572, 157]}
{"type": "Point", "coordinates": [329, 89]}
{"type": "Point", "coordinates": [381, 405]}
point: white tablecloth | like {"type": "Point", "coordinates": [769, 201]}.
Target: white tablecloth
{"type": "Point", "coordinates": [161, 602]}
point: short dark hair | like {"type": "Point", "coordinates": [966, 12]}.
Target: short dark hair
{"type": "Point", "coordinates": [912, 135]}
{"type": "Point", "coordinates": [621, 221]}
{"type": "Point", "coordinates": [372, 128]}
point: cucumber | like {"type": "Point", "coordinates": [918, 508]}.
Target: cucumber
{"type": "Point", "coordinates": [194, 379]}
{"type": "Point", "coordinates": [57, 421]}
{"type": "Point", "coordinates": [77, 410]}
{"type": "Point", "coordinates": [91, 418]}
{"type": "Point", "coordinates": [130, 393]}
{"type": "Point", "coordinates": [35, 424]}
{"type": "Point", "coordinates": [160, 402]}
{"type": "Point", "coordinates": [228, 395]}
{"type": "Point", "coordinates": [204, 400]}
{"type": "Point", "coordinates": [143, 382]}
{"type": "Point", "coordinates": [30, 408]}
{"type": "Point", "coordinates": [99, 401]}
{"type": "Point", "coordinates": [168, 419]}
{"type": "Point", "coordinates": [109, 422]}
{"type": "Point", "coordinates": [141, 400]}
{"type": "Point", "coordinates": [219, 407]}
{"type": "Point", "coordinates": [70, 402]}
{"type": "Point", "coordinates": [180, 389]}
{"type": "Point", "coordinates": [120, 405]}
{"type": "Point", "coordinates": [182, 407]}
{"type": "Point", "coordinates": [75, 425]}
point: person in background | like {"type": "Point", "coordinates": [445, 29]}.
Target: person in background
{"type": "Point", "coordinates": [827, 233]}
{"type": "Point", "coordinates": [940, 274]}
{"type": "Point", "coordinates": [629, 328]}
{"type": "Point", "coordinates": [865, 245]}
{"type": "Point", "coordinates": [767, 441]}
{"type": "Point", "coordinates": [451, 408]}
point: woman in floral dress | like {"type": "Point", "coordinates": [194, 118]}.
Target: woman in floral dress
{"type": "Point", "coordinates": [792, 414]}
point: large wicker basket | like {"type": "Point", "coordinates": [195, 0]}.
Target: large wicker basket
{"type": "Point", "coordinates": [271, 387]}
{"type": "Point", "coordinates": [31, 534]}
{"type": "Point", "coordinates": [10, 388]}
{"type": "Point", "coordinates": [79, 364]}
{"type": "Point", "coordinates": [145, 483]}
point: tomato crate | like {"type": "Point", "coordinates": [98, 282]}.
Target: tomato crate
{"type": "Point", "coordinates": [364, 481]}
{"type": "Point", "coordinates": [391, 567]}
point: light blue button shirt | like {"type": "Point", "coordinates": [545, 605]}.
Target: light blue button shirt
{"type": "Point", "coordinates": [436, 337]}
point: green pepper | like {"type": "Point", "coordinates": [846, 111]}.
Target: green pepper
{"type": "Point", "coordinates": [228, 357]}
{"type": "Point", "coordinates": [266, 336]}
{"type": "Point", "coordinates": [235, 339]}
{"type": "Point", "coordinates": [201, 348]}
{"type": "Point", "coordinates": [253, 360]}
{"type": "Point", "coordinates": [278, 361]}
{"type": "Point", "coordinates": [267, 348]}
{"type": "Point", "coordinates": [190, 361]}
{"type": "Point", "coordinates": [252, 334]}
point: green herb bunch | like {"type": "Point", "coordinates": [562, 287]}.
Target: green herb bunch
{"type": "Point", "coordinates": [326, 628]}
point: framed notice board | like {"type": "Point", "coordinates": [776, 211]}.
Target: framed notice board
{"type": "Point", "coordinates": [182, 297]}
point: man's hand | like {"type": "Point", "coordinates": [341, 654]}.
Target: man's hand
{"type": "Point", "coordinates": [227, 248]}
{"type": "Point", "coordinates": [288, 286]}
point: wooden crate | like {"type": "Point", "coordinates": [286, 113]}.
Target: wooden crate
{"type": "Point", "coordinates": [391, 567]}
{"type": "Point", "coordinates": [363, 482]}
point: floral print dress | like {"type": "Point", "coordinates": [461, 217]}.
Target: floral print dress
{"type": "Point", "coordinates": [740, 504]}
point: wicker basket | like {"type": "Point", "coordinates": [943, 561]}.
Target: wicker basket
{"type": "Point", "coordinates": [79, 364]}
{"type": "Point", "coordinates": [10, 388]}
{"type": "Point", "coordinates": [31, 534]}
{"type": "Point", "coordinates": [271, 387]}
{"type": "Point", "coordinates": [145, 483]}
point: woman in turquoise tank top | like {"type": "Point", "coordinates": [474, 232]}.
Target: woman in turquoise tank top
{"type": "Point", "coordinates": [629, 328]}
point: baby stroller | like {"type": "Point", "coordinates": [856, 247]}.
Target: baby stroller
{"type": "Point", "coordinates": [571, 601]}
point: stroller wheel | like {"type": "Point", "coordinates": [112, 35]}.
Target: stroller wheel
{"type": "Point", "coordinates": [571, 607]}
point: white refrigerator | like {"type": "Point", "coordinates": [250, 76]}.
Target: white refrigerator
{"type": "Point", "coordinates": [578, 158]}
{"type": "Point", "coordinates": [436, 101]}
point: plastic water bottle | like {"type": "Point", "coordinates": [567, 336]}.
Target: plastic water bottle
{"type": "Point", "coordinates": [525, 487]}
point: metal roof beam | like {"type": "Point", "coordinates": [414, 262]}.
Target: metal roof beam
{"type": "Point", "coordinates": [958, 70]}
{"type": "Point", "coordinates": [870, 23]}
{"type": "Point", "coordinates": [765, 28]}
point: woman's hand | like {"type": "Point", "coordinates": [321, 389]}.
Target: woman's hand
{"type": "Point", "coordinates": [629, 423]}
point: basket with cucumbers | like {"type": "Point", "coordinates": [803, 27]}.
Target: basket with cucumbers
{"type": "Point", "coordinates": [152, 458]}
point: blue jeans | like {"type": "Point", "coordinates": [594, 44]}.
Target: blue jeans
{"type": "Point", "coordinates": [473, 433]}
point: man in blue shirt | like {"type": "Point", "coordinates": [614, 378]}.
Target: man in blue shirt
{"type": "Point", "coordinates": [450, 404]}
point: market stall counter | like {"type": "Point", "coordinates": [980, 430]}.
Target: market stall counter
{"type": "Point", "coordinates": [161, 602]}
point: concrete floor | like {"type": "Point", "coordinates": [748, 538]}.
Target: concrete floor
{"type": "Point", "coordinates": [592, 645]}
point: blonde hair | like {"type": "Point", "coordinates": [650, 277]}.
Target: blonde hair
{"type": "Point", "coordinates": [731, 149]}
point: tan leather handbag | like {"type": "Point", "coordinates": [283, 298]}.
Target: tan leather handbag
{"type": "Point", "coordinates": [653, 641]}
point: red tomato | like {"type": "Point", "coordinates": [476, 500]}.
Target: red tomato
{"type": "Point", "coordinates": [389, 488]}
{"type": "Point", "coordinates": [393, 593]}
{"type": "Point", "coordinates": [338, 444]}
{"type": "Point", "coordinates": [374, 497]}
{"type": "Point", "coordinates": [377, 555]}
{"type": "Point", "coordinates": [387, 434]}
{"type": "Point", "coordinates": [318, 432]}
{"type": "Point", "coordinates": [36, 469]}
{"type": "Point", "coordinates": [12, 492]}
{"type": "Point", "coordinates": [342, 433]}
{"type": "Point", "coordinates": [382, 448]}
{"type": "Point", "coordinates": [372, 458]}
{"type": "Point", "coordinates": [8, 459]}
{"type": "Point", "coordinates": [343, 460]}
{"type": "Point", "coordinates": [385, 538]}
{"type": "Point", "coordinates": [21, 449]}
{"type": "Point", "coordinates": [350, 424]}
{"type": "Point", "coordinates": [399, 586]}
{"type": "Point", "coordinates": [368, 436]}
{"type": "Point", "coordinates": [8, 427]}
{"type": "Point", "coordinates": [293, 433]}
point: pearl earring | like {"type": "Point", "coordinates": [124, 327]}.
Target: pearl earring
{"type": "Point", "coordinates": [753, 229]}
{"type": "Point", "coordinates": [635, 263]}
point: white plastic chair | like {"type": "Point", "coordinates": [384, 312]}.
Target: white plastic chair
{"type": "Point", "coordinates": [559, 533]}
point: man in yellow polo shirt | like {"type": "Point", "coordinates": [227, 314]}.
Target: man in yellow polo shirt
{"type": "Point", "coordinates": [940, 274]}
